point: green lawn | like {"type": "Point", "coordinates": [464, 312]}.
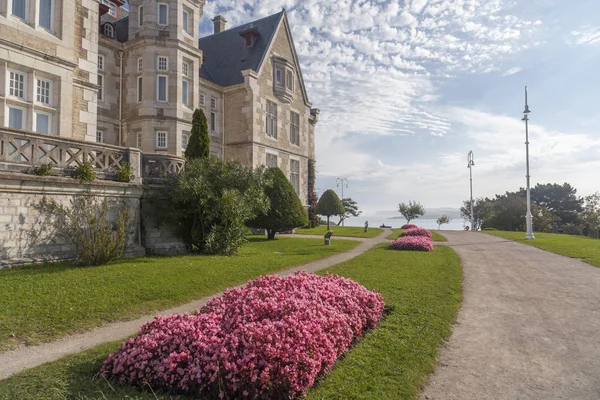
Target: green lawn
{"type": "Point", "coordinates": [437, 237]}
{"type": "Point", "coordinates": [44, 302]}
{"type": "Point", "coordinates": [422, 292]}
{"type": "Point", "coordinates": [349, 231]}
{"type": "Point", "coordinates": [581, 247]}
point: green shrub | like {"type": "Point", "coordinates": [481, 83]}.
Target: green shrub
{"type": "Point", "coordinates": [125, 173]}
{"type": "Point", "coordinates": [43, 170]}
{"type": "Point", "coordinates": [85, 172]}
{"type": "Point", "coordinates": [86, 228]}
{"type": "Point", "coordinates": [489, 229]}
{"type": "Point", "coordinates": [285, 211]}
{"type": "Point", "coordinates": [199, 142]}
{"type": "Point", "coordinates": [210, 202]}
{"type": "Point", "coordinates": [330, 204]}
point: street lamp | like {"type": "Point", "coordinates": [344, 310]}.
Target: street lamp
{"type": "Point", "coordinates": [529, 217]}
{"type": "Point", "coordinates": [470, 164]}
{"type": "Point", "coordinates": [338, 182]}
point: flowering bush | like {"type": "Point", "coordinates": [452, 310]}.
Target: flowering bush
{"type": "Point", "coordinates": [416, 232]}
{"type": "Point", "coordinates": [414, 243]}
{"type": "Point", "coordinates": [408, 226]}
{"type": "Point", "coordinates": [269, 339]}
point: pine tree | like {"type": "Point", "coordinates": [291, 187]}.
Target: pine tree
{"type": "Point", "coordinates": [199, 143]}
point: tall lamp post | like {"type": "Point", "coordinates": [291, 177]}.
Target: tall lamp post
{"type": "Point", "coordinates": [341, 181]}
{"type": "Point", "coordinates": [529, 217]}
{"type": "Point", "coordinates": [470, 164]}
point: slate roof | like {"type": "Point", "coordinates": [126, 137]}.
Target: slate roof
{"type": "Point", "coordinates": [121, 25]}
{"type": "Point", "coordinates": [225, 54]}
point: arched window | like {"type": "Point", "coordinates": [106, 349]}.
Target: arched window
{"type": "Point", "coordinates": [109, 30]}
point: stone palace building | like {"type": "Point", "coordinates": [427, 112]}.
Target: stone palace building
{"type": "Point", "coordinates": [94, 71]}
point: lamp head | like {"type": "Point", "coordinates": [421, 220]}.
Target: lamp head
{"type": "Point", "coordinates": [526, 109]}
{"type": "Point", "coordinates": [525, 118]}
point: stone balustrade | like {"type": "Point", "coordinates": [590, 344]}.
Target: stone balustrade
{"type": "Point", "coordinates": [159, 165]}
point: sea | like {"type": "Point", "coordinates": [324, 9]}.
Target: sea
{"type": "Point", "coordinates": [456, 224]}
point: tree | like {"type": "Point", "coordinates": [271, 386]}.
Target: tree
{"type": "Point", "coordinates": [199, 142]}
{"type": "Point", "coordinates": [312, 195]}
{"type": "Point", "coordinates": [590, 217]}
{"type": "Point", "coordinates": [561, 200]}
{"type": "Point", "coordinates": [285, 211]}
{"type": "Point", "coordinates": [481, 211]}
{"type": "Point", "coordinates": [351, 208]}
{"type": "Point", "coordinates": [508, 213]}
{"type": "Point", "coordinates": [444, 219]}
{"type": "Point", "coordinates": [410, 211]}
{"type": "Point", "coordinates": [209, 203]}
{"type": "Point", "coordinates": [330, 204]}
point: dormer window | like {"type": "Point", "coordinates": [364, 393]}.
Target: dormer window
{"type": "Point", "coordinates": [109, 30]}
{"type": "Point", "coordinates": [250, 35]}
{"type": "Point", "coordinates": [283, 79]}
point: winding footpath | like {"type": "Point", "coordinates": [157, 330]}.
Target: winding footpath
{"type": "Point", "coordinates": [529, 326]}
{"type": "Point", "coordinates": [15, 361]}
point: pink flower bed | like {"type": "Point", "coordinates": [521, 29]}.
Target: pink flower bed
{"type": "Point", "coordinates": [408, 226]}
{"type": "Point", "coordinates": [414, 243]}
{"type": "Point", "coordinates": [417, 232]}
{"type": "Point", "coordinates": [269, 339]}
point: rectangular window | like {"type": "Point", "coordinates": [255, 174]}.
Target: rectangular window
{"type": "Point", "coordinates": [42, 123]}
{"type": "Point", "coordinates": [140, 64]}
{"type": "Point", "coordinates": [185, 92]}
{"type": "Point", "coordinates": [46, 11]}
{"type": "Point", "coordinates": [101, 89]}
{"type": "Point", "coordinates": [185, 69]}
{"type": "Point", "coordinates": [163, 14]}
{"type": "Point", "coordinates": [161, 88]}
{"type": "Point", "coordinates": [213, 103]}
{"type": "Point", "coordinates": [140, 16]}
{"type": "Point", "coordinates": [99, 137]}
{"type": "Point", "coordinates": [185, 139]}
{"type": "Point", "coordinates": [289, 80]}
{"type": "Point", "coordinates": [295, 175]}
{"type": "Point", "coordinates": [271, 160]}
{"type": "Point", "coordinates": [213, 122]}
{"type": "Point", "coordinates": [17, 85]}
{"type": "Point", "coordinates": [271, 120]}
{"type": "Point", "coordinates": [19, 8]}
{"type": "Point", "coordinates": [43, 92]}
{"type": "Point", "coordinates": [16, 118]}
{"type": "Point", "coordinates": [161, 140]}
{"type": "Point", "coordinates": [162, 63]}
{"type": "Point", "coordinates": [139, 140]}
{"type": "Point", "coordinates": [112, 9]}
{"type": "Point", "coordinates": [295, 128]}
{"type": "Point", "coordinates": [140, 89]}
{"type": "Point", "coordinates": [202, 99]}
{"type": "Point", "coordinates": [100, 62]}
{"type": "Point", "coordinates": [186, 21]}
{"type": "Point", "coordinates": [279, 77]}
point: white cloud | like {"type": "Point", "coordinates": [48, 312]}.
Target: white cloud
{"type": "Point", "coordinates": [512, 71]}
{"type": "Point", "coordinates": [588, 35]}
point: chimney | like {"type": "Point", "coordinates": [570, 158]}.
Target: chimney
{"type": "Point", "coordinates": [219, 23]}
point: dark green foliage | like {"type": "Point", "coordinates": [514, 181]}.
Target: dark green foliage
{"type": "Point", "coordinates": [330, 204]}
{"type": "Point", "coordinates": [410, 211]}
{"type": "Point", "coordinates": [482, 211]}
{"type": "Point", "coordinates": [312, 195]}
{"type": "Point", "coordinates": [43, 170]}
{"type": "Point", "coordinates": [210, 202]}
{"type": "Point", "coordinates": [125, 173]}
{"type": "Point", "coordinates": [86, 228]}
{"type": "Point", "coordinates": [560, 200]}
{"type": "Point", "coordinates": [85, 173]}
{"type": "Point", "coordinates": [351, 208]}
{"type": "Point", "coordinates": [199, 143]}
{"type": "Point", "coordinates": [285, 211]}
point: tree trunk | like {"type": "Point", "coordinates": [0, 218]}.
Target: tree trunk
{"type": "Point", "coordinates": [270, 234]}
{"type": "Point", "coordinates": [328, 222]}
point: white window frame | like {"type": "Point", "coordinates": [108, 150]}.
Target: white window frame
{"type": "Point", "coordinates": [185, 140]}
{"type": "Point", "coordinates": [101, 89]}
{"type": "Point", "coordinates": [140, 64]}
{"type": "Point", "coordinates": [49, 115]}
{"type": "Point", "coordinates": [213, 122]}
{"type": "Point", "coordinates": [294, 133]}
{"type": "Point", "coordinates": [111, 7]}
{"type": "Point", "coordinates": [158, 6]}
{"type": "Point", "coordinates": [158, 63]}
{"type": "Point", "coordinates": [279, 77]}
{"type": "Point", "coordinates": [47, 95]}
{"type": "Point", "coordinates": [213, 103]}
{"type": "Point", "coordinates": [185, 92]}
{"type": "Point", "coordinates": [185, 69]}
{"type": "Point", "coordinates": [140, 16]}
{"type": "Point", "coordinates": [158, 137]}
{"type": "Point", "coordinates": [23, 91]}
{"type": "Point", "coordinates": [108, 30]}
{"type": "Point", "coordinates": [139, 140]}
{"type": "Point", "coordinates": [99, 135]}
{"type": "Point", "coordinates": [166, 88]}
{"type": "Point", "coordinates": [271, 119]}
{"type": "Point", "coordinates": [271, 156]}
{"type": "Point", "coordinates": [52, 5]}
{"type": "Point", "coordinates": [23, 119]}
{"type": "Point", "coordinates": [140, 89]}
{"type": "Point", "coordinates": [202, 99]}
{"type": "Point", "coordinates": [289, 83]}
{"type": "Point", "coordinates": [297, 176]}
{"type": "Point", "coordinates": [100, 62]}
{"type": "Point", "coordinates": [25, 18]}
{"type": "Point", "coordinates": [186, 26]}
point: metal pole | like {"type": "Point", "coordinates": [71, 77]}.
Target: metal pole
{"type": "Point", "coordinates": [341, 181]}
{"type": "Point", "coordinates": [529, 216]}
{"type": "Point", "coordinates": [470, 164]}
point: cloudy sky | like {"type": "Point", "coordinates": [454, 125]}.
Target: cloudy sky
{"type": "Point", "coordinates": [407, 88]}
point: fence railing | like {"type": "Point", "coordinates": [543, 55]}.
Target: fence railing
{"type": "Point", "coordinates": [20, 151]}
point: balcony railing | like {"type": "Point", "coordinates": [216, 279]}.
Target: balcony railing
{"type": "Point", "coordinates": [158, 165]}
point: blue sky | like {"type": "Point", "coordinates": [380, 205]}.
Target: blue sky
{"type": "Point", "coordinates": [407, 88]}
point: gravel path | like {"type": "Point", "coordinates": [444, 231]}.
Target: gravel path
{"type": "Point", "coordinates": [529, 326]}
{"type": "Point", "coordinates": [23, 358]}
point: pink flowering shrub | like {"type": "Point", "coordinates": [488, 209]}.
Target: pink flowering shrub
{"type": "Point", "coordinates": [267, 340]}
{"type": "Point", "coordinates": [414, 243]}
{"type": "Point", "coordinates": [408, 226]}
{"type": "Point", "coordinates": [416, 232]}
